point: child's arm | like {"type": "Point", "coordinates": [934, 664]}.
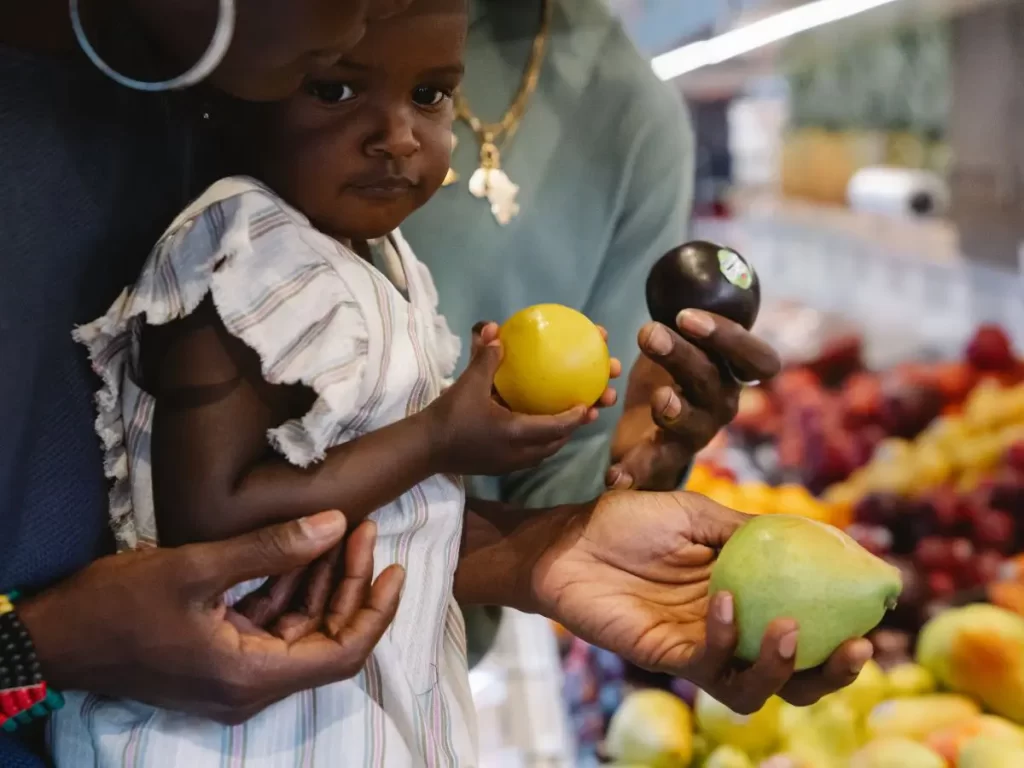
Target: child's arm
{"type": "Point", "coordinates": [214, 475]}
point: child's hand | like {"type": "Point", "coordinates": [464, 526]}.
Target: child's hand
{"type": "Point", "coordinates": [476, 434]}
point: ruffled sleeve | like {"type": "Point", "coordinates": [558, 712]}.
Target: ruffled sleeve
{"type": "Point", "coordinates": [285, 290]}
{"type": "Point", "coordinates": [291, 294]}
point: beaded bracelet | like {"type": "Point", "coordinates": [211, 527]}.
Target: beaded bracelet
{"type": "Point", "coordinates": [24, 695]}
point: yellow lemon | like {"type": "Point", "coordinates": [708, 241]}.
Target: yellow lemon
{"type": "Point", "coordinates": [554, 359]}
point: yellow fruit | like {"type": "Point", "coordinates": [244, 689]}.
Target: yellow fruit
{"type": "Point", "coordinates": [652, 728]}
{"type": "Point", "coordinates": [978, 650]}
{"type": "Point", "coordinates": [756, 499]}
{"type": "Point", "coordinates": [950, 742]}
{"type": "Point", "coordinates": [869, 689]}
{"type": "Point", "coordinates": [984, 752]}
{"type": "Point", "coordinates": [701, 478]}
{"type": "Point", "coordinates": [554, 359]}
{"type": "Point", "coordinates": [796, 500]}
{"type": "Point", "coordinates": [844, 494]}
{"type": "Point", "coordinates": [896, 753]}
{"type": "Point", "coordinates": [932, 467]}
{"type": "Point", "coordinates": [910, 679]}
{"type": "Point", "coordinates": [727, 756]}
{"type": "Point", "coordinates": [826, 736]}
{"type": "Point", "coordinates": [916, 717]}
{"type": "Point", "coordinates": [725, 493]}
{"type": "Point", "coordinates": [755, 734]}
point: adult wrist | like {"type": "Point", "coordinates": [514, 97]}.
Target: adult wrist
{"type": "Point", "coordinates": [505, 549]}
{"type": "Point", "coordinates": [25, 694]}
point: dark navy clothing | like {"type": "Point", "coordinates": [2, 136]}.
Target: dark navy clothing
{"type": "Point", "coordinates": [90, 174]}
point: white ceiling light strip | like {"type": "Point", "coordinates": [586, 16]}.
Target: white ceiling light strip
{"type": "Point", "coordinates": [769, 30]}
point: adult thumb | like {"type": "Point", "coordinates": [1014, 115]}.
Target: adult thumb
{"type": "Point", "coordinates": [271, 551]}
{"type": "Point", "coordinates": [711, 523]}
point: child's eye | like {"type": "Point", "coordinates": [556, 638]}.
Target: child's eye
{"type": "Point", "coordinates": [428, 96]}
{"type": "Point", "coordinates": [330, 93]}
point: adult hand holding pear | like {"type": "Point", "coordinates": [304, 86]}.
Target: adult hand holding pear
{"type": "Point", "coordinates": [632, 574]}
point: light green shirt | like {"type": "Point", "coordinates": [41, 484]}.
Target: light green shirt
{"type": "Point", "coordinates": [604, 161]}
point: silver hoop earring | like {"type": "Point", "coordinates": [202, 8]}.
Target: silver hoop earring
{"type": "Point", "coordinates": [214, 55]}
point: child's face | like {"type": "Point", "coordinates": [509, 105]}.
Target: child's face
{"type": "Point", "coordinates": [362, 148]}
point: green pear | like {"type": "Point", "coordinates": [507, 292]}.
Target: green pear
{"type": "Point", "coordinates": [783, 566]}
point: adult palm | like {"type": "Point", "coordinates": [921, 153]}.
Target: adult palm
{"type": "Point", "coordinates": [631, 575]}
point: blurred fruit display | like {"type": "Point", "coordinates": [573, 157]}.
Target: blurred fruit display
{"type": "Point", "coordinates": [958, 704]}
{"type": "Point", "coordinates": [923, 465]}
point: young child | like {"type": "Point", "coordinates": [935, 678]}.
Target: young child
{"type": "Point", "coordinates": [282, 354]}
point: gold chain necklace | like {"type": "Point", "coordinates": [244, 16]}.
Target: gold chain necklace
{"type": "Point", "coordinates": [489, 180]}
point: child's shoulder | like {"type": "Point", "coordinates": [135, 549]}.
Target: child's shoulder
{"type": "Point", "coordinates": [233, 200]}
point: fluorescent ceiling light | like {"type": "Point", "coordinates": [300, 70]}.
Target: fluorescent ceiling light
{"type": "Point", "coordinates": [756, 35]}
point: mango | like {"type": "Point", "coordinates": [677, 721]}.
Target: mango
{"type": "Point", "coordinates": [949, 742]}
{"type": "Point", "coordinates": [785, 566]}
{"type": "Point", "coordinates": [917, 717]}
{"type": "Point", "coordinates": [651, 728]}
{"type": "Point", "coordinates": [978, 650]}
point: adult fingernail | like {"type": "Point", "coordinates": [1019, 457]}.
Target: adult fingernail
{"type": "Point", "coordinates": [725, 609]}
{"type": "Point", "coordinates": [787, 645]}
{"type": "Point", "coordinates": [860, 656]}
{"type": "Point", "coordinates": [696, 323]}
{"type": "Point", "coordinates": [658, 341]}
{"type": "Point", "coordinates": [625, 482]}
{"type": "Point", "coordinates": [323, 525]}
{"type": "Point", "coordinates": [666, 402]}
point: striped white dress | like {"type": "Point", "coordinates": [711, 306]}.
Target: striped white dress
{"type": "Point", "coordinates": [374, 350]}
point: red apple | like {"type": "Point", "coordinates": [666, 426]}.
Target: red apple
{"type": "Point", "coordinates": [961, 553]}
{"type": "Point", "coordinates": [990, 350]}
{"type": "Point", "coordinates": [861, 399]}
{"type": "Point", "coordinates": [934, 553]}
{"type": "Point", "coordinates": [840, 357]}
{"type": "Point", "coordinates": [984, 569]}
{"type": "Point", "coordinates": [941, 585]}
{"type": "Point", "coordinates": [954, 380]}
{"type": "Point", "coordinates": [796, 385]}
{"type": "Point", "coordinates": [947, 511]}
{"type": "Point", "coordinates": [995, 530]}
{"type": "Point", "coordinates": [908, 408]}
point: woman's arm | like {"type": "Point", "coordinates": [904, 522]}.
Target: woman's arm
{"type": "Point", "coordinates": [214, 475]}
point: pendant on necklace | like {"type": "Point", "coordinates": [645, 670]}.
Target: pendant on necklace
{"type": "Point", "coordinates": [490, 182]}
{"type": "Point", "coordinates": [452, 176]}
